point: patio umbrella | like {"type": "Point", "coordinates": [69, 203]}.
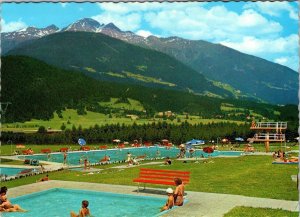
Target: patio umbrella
{"type": "Point", "coordinates": [239, 139]}
{"type": "Point", "coordinates": [224, 140]}
{"type": "Point", "coordinates": [195, 142]}
{"type": "Point", "coordinates": [116, 140]}
{"type": "Point", "coordinates": [20, 146]}
{"type": "Point", "coordinates": [81, 142]}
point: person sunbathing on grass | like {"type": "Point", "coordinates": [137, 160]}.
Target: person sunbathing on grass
{"type": "Point", "coordinates": [168, 161]}
{"type": "Point", "coordinates": [46, 178]}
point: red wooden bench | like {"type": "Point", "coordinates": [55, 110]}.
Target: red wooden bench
{"type": "Point", "coordinates": [25, 152]}
{"type": "Point", "coordinates": [85, 148]}
{"type": "Point", "coordinates": [64, 149]}
{"type": "Point", "coordinates": [121, 146]}
{"type": "Point", "coordinates": [161, 177]}
{"type": "Point", "coordinates": [46, 150]}
{"type": "Point", "coordinates": [102, 147]}
{"type": "Point", "coordinates": [147, 144]}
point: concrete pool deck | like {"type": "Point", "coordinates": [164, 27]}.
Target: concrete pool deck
{"type": "Point", "coordinates": [199, 204]}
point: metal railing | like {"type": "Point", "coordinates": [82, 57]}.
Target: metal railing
{"type": "Point", "coordinates": [275, 125]}
{"type": "Point", "coordinates": [269, 136]}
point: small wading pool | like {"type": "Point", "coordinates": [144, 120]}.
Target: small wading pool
{"type": "Point", "coordinates": [11, 171]}
{"type": "Point", "coordinates": [76, 158]}
{"type": "Point", "coordinates": [58, 202]}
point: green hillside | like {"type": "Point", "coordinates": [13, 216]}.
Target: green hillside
{"type": "Point", "coordinates": [39, 91]}
{"type": "Point", "coordinates": [252, 76]}
{"type": "Point", "coordinates": [110, 59]}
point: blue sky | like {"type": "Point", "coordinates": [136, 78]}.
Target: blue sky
{"type": "Point", "coordinates": [265, 29]}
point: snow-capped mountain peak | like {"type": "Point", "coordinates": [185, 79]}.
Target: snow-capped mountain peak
{"type": "Point", "coordinates": [84, 25]}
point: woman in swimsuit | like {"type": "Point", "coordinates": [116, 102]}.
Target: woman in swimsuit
{"type": "Point", "coordinates": [179, 192]}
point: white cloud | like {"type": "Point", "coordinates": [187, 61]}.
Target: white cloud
{"type": "Point", "coordinates": [289, 61]}
{"type": "Point", "coordinates": [63, 4]}
{"type": "Point", "coordinates": [124, 8]}
{"type": "Point", "coordinates": [12, 26]}
{"type": "Point", "coordinates": [294, 15]}
{"type": "Point", "coordinates": [250, 18]}
{"type": "Point", "coordinates": [130, 22]}
{"type": "Point", "coordinates": [215, 24]}
{"type": "Point", "coordinates": [253, 45]}
{"type": "Point", "coordinates": [249, 31]}
{"type": "Point", "coordinates": [275, 9]}
{"type": "Point", "coordinates": [281, 60]}
{"type": "Point", "coordinates": [144, 33]}
{"type": "Point", "coordinates": [128, 16]}
{"type": "Point", "coordinates": [281, 50]}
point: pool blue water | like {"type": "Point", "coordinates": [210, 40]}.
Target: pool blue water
{"type": "Point", "coordinates": [59, 202]}
{"type": "Point", "coordinates": [10, 171]}
{"type": "Point", "coordinates": [76, 158]}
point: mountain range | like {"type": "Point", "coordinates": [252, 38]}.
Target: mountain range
{"type": "Point", "coordinates": [106, 58]}
{"type": "Point", "coordinates": [224, 72]}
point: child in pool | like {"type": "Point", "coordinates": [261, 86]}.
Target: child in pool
{"type": "Point", "coordinates": [84, 211]}
{"type": "Point", "coordinates": [170, 201]}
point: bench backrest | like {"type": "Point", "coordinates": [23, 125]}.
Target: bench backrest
{"type": "Point", "coordinates": [85, 148]}
{"type": "Point", "coordinates": [121, 146]}
{"type": "Point", "coordinates": [103, 147]}
{"type": "Point", "coordinates": [46, 150]}
{"type": "Point", "coordinates": [147, 173]}
{"type": "Point", "coordinates": [64, 149]}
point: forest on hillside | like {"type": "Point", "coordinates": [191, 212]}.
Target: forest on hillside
{"type": "Point", "coordinates": [154, 133]}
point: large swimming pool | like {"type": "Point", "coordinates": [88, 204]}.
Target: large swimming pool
{"type": "Point", "coordinates": [59, 202]}
{"type": "Point", "coordinates": [76, 158]}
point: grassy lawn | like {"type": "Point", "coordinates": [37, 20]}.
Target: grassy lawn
{"type": "Point", "coordinates": [133, 104]}
{"type": "Point", "coordinates": [253, 212]}
{"type": "Point", "coordinates": [11, 162]}
{"type": "Point", "coordinates": [70, 118]}
{"type": "Point", "coordinates": [254, 176]}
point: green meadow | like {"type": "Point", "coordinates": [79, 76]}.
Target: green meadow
{"type": "Point", "coordinates": [251, 212]}
{"type": "Point", "coordinates": [253, 176]}
{"type": "Point", "coordinates": [70, 118]}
